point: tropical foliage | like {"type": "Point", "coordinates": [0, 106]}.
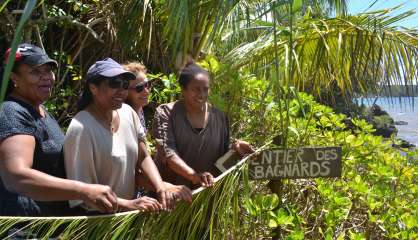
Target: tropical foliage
{"type": "Point", "coordinates": [313, 45]}
{"type": "Point", "coordinates": [376, 197]}
{"type": "Point", "coordinates": [263, 55]}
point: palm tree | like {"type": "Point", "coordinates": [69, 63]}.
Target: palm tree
{"type": "Point", "coordinates": [310, 45]}
{"type": "Point", "coordinates": [354, 53]}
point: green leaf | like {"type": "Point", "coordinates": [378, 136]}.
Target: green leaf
{"type": "Point", "coordinates": [341, 236]}
{"type": "Point", "coordinates": [272, 223]}
{"type": "Point", "coordinates": [356, 236]}
{"type": "Point", "coordinates": [342, 201]}
{"type": "Point", "coordinates": [283, 218]}
{"type": "Point", "coordinates": [297, 235]}
{"type": "Point", "coordinates": [350, 139]}
{"type": "Point", "coordinates": [296, 6]}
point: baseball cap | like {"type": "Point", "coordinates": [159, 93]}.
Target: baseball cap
{"type": "Point", "coordinates": [108, 68]}
{"type": "Point", "coordinates": [31, 55]}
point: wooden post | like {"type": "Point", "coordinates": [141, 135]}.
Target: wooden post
{"type": "Point", "coordinates": [276, 186]}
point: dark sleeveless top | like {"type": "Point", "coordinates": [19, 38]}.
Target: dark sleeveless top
{"type": "Point", "coordinates": [20, 118]}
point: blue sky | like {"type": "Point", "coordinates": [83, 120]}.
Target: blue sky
{"type": "Point", "coordinates": [356, 6]}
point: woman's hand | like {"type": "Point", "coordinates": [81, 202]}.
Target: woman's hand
{"type": "Point", "coordinates": [146, 204]}
{"type": "Point", "coordinates": [166, 198]}
{"type": "Point", "coordinates": [242, 147]}
{"type": "Point", "coordinates": [143, 204]}
{"type": "Point", "coordinates": [99, 197]}
{"type": "Point", "coordinates": [205, 179]}
{"type": "Point", "coordinates": [180, 192]}
{"type": "Point", "coordinates": [172, 193]}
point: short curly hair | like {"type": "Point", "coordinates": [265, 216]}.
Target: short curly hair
{"type": "Point", "coordinates": [135, 67]}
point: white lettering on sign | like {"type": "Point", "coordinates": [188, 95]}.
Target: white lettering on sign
{"type": "Point", "coordinates": [326, 154]}
{"type": "Point", "coordinates": [300, 154]}
{"type": "Point", "coordinates": [280, 156]}
{"type": "Point", "coordinates": [315, 169]}
{"type": "Point", "coordinates": [325, 170]}
{"type": "Point", "coordinates": [269, 171]}
{"type": "Point", "coordinates": [295, 171]}
{"type": "Point", "coordinates": [297, 163]}
{"type": "Point", "coordinates": [304, 167]}
{"type": "Point", "coordinates": [287, 170]}
{"type": "Point", "coordinates": [259, 172]}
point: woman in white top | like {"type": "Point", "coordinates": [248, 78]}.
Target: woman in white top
{"type": "Point", "coordinates": [105, 141]}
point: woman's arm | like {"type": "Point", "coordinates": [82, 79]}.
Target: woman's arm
{"type": "Point", "coordinates": [18, 176]}
{"type": "Point", "coordinates": [147, 165]}
{"type": "Point", "coordinates": [181, 168]}
{"type": "Point", "coordinates": [163, 132]}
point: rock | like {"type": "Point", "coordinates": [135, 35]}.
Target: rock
{"type": "Point", "coordinates": [403, 144]}
{"type": "Point", "coordinates": [384, 126]}
{"type": "Point", "coordinates": [376, 110]}
{"type": "Point", "coordinates": [381, 121]}
{"type": "Point", "coordinates": [401, 123]}
{"type": "Point", "coordinates": [386, 132]}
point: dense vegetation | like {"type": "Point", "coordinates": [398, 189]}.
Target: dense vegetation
{"type": "Point", "coordinates": [376, 197]}
{"type": "Point", "coordinates": [263, 57]}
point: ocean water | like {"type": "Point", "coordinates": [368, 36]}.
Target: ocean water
{"type": "Point", "coordinates": [400, 109]}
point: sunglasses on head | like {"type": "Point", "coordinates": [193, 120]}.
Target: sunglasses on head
{"type": "Point", "coordinates": [118, 83]}
{"type": "Point", "coordinates": [141, 86]}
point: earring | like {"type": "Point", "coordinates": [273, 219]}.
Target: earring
{"type": "Point", "coordinates": [15, 85]}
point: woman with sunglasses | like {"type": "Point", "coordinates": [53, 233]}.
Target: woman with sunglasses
{"type": "Point", "coordinates": [105, 142]}
{"type": "Point", "coordinates": [31, 164]}
{"type": "Point", "coordinates": [139, 90]}
{"type": "Point", "coordinates": [191, 134]}
{"type": "Point", "coordinates": [138, 98]}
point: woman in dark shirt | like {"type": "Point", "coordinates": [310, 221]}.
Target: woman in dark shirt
{"type": "Point", "coordinates": [31, 163]}
{"type": "Point", "coordinates": [191, 134]}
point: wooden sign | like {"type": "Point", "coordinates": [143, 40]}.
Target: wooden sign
{"type": "Point", "coordinates": [305, 162]}
{"type": "Point", "coordinates": [228, 160]}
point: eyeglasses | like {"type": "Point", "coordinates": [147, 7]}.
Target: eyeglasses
{"type": "Point", "coordinates": [118, 83]}
{"type": "Point", "coordinates": [141, 86]}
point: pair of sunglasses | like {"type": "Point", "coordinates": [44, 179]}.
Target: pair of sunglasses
{"type": "Point", "coordinates": [141, 86]}
{"type": "Point", "coordinates": [118, 83]}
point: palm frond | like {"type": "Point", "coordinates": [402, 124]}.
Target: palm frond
{"type": "Point", "coordinates": [210, 215]}
{"type": "Point", "coordinates": [355, 53]}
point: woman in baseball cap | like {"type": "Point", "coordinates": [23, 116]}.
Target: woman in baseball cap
{"type": "Point", "coordinates": [105, 142]}
{"type": "Point", "coordinates": [31, 164]}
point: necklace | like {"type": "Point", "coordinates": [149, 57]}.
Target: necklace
{"type": "Point", "coordinates": [104, 120]}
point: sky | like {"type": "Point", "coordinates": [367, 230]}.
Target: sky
{"type": "Point", "coordinates": [357, 6]}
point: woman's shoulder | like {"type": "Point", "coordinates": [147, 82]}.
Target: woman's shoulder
{"type": "Point", "coordinates": [126, 108]}
{"type": "Point", "coordinates": [168, 108]}
{"type": "Point", "coordinates": [16, 119]}
{"type": "Point", "coordinates": [82, 120]}
{"type": "Point", "coordinates": [13, 114]}
{"type": "Point", "coordinates": [12, 108]}
{"type": "Point", "coordinates": [127, 112]}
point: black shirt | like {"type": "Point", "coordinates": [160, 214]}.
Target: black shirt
{"type": "Point", "coordinates": [20, 118]}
